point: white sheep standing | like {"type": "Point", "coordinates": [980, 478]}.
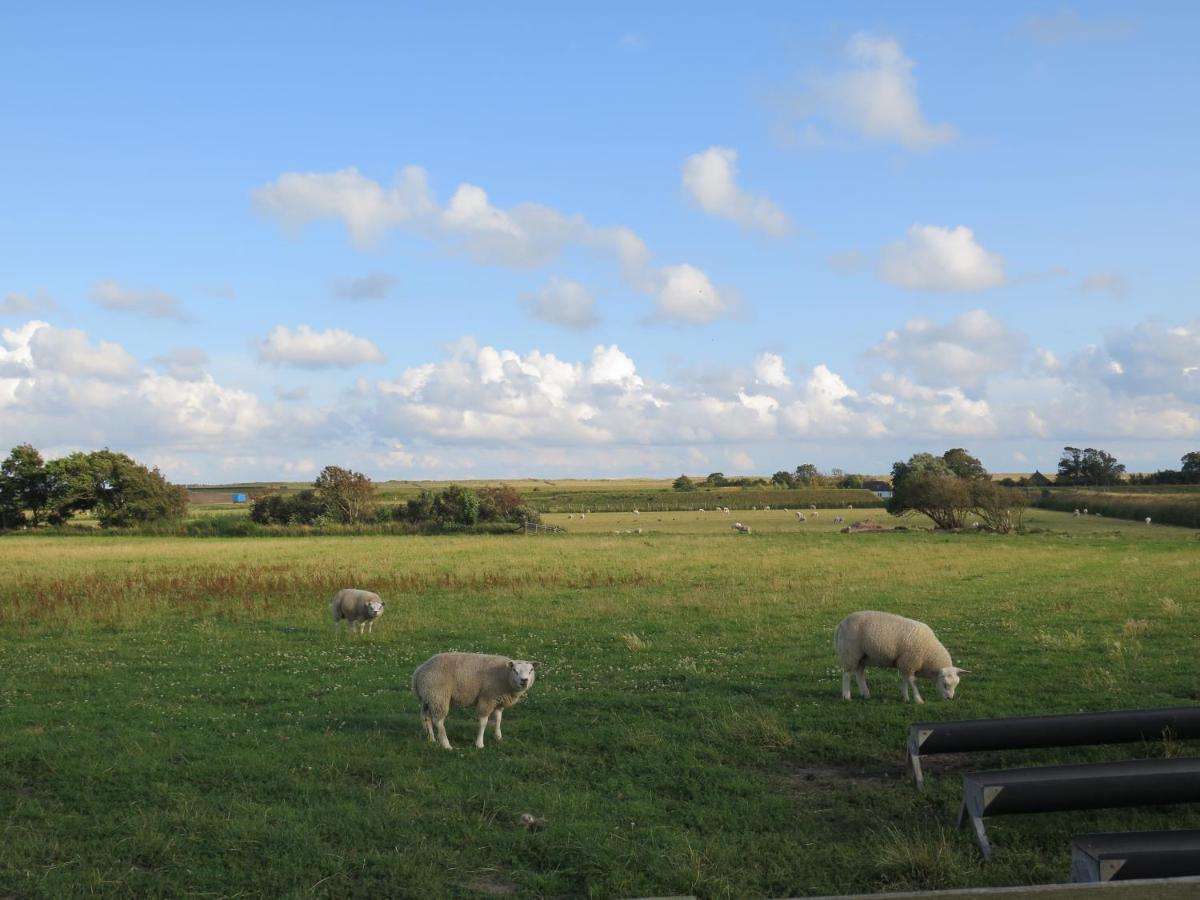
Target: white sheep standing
{"type": "Point", "coordinates": [882, 639]}
{"type": "Point", "coordinates": [636, 513]}
{"type": "Point", "coordinates": [800, 516]}
{"type": "Point", "coordinates": [812, 506]}
{"type": "Point", "coordinates": [767, 508]}
{"type": "Point", "coordinates": [1085, 510]}
{"type": "Point", "coordinates": [359, 609]}
{"type": "Point", "coordinates": [740, 528]}
{"type": "Point", "coordinates": [489, 683]}
{"type": "Point", "coordinates": [1147, 520]}
{"type": "Point", "coordinates": [838, 520]}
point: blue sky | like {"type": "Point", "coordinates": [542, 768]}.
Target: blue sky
{"type": "Point", "coordinates": [628, 240]}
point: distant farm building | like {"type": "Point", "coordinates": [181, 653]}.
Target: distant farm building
{"type": "Point", "coordinates": [880, 489]}
{"type": "Point", "coordinates": [240, 498]}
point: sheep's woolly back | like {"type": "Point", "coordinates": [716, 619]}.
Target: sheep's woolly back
{"type": "Point", "coordinates": [464, 679]}
{"type": "Point", "coordinates": [886, 639]}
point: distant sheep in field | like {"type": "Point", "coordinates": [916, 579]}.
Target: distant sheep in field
{"type": "Point", "coordinates": [636, 513]}
{"type": "Point", "coordinates": [800, 517]}
{"type": "Point", "coordinates": [838, 520]}
{"type": "Point", "coordinates": [359, 609]}
{"type": "Point", "coordinates": [812, 506]}
{"type": "Point", "coordinates": [700, 509]}
{"type": "Point", "coordinates": [489, 683]}
{"type": "Point", "coordinates": [1147, 520]}
{"type": "Point", "coordinates": [849, 506]}
{"type": "Point", "coordinates": [889, 641]}
{"type": "Point", "coordinates": [740, 528]}
{"type": "Point", "coordinates": [1076, 513]}
{"type": "Point", "coordinates": [1085, 510]}
{"type": "Point", "coordinates": [767, 508]}
{"type": "Point", "coordinates": [569, 516]}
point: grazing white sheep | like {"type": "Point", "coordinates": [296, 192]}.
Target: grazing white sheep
{"type": "Point", "coordinates": [569, 516]}
{"type": "Point", "coordinates": [812, 506]}
{"type": "Point", "coordinates": [871, 638]}
{"type": "Point", "coordinates": [1085, 510]}
{"type": "Point", "coordinates": [1147, 520]}
{"type": "Point", "coordinates": [800, 516]}
{"type": "Point", "coordinates": [767, 508]}
{"type": "Point", "coordinates": [636, 513]}
{"type": "Point", "coordinates": [700, 509]}
{"type": "Point", "coordinates": [489, 683]}
{"type": "Point", "coordinates": [740, 528]}
{"type": "Point", "coordinates": [359, 609]}
{"type": "Point", "coordinates": [1076, 512]}
{"type": "Point", "coordinates": [849, 506]}
{"type": "Point", "coordinates": [838, 520]}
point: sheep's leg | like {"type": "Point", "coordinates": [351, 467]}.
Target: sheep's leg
{"type": "Point", "coordinates": [911, 681]}
{"type": "Point", "coordinates": [483, 720]}
{"type": "Point", "coordinates": [371, 626]}
{"type": "Point", "coordinates": [427, 724]}
{"type": "Point", "coordinates": [845, 685]}
{"type": "Point", "coordinates": [904, 687]}
{"type": "Point", "coordinates": [441, 730]}
{"type": "Point", "coordinates": [496, 716]}
{"type": "Point", "coordinates": [860, 675]}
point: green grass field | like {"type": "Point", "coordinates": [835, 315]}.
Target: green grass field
{"type": "Point", "coordinates": [177, 717]}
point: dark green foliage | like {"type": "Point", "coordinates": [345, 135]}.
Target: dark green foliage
{"type": "Point", "coordinates": [758, 494]}
{"type": "Point", "coordinates": [348, 496]}
{"type": "Point", "coordinates": [949, 488]}
{"type": "Point", "coordinates": [683, 483]}
{"type": "Point", "coordinates": [807, 475]}
{"type": "Point", "coordinates": [120, 491]}
{"type": "Point", "coordinates": [24, 486]}
{"type": "Point", "coordinates": [456, 505]}
{"type": "Point", "coordinates": [715, 479]}
{"type": "Point", "coordinates": [783, 479]}
{"type": "Point", "coordinates": [1090, 467]}
{"type": "Point", "coordinates": [302, 508]}
{"type": "Point", "coordinates": [457, 508]}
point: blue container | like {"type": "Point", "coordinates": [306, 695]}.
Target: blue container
{"type": "Point", "coordinates": [240, 498]}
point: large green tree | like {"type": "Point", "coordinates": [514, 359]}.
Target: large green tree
{"type": "Point", "coordinates": [349, 496]}
{"type": "Point", "coordinates": [24, 487]}
{"type": "Point", "coordinates": [1089, 466]}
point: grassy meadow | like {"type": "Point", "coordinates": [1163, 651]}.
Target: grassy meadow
{"type": "Point", "coordinates": [177, 716]}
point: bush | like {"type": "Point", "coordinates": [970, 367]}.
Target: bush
{"type": "Point", "coordinates": [302, 508]}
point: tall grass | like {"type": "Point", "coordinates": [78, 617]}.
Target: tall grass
{"type": "Point", "coordinates": [550, 501]}
{"type": "Point", "coordinates": [1164, 508]}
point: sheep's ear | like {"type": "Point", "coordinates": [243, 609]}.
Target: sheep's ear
{"type": "Point", "coordinates": [511, 664]}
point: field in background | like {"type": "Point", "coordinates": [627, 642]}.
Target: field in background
{"type": "Point", "coordinates": [177, 717]}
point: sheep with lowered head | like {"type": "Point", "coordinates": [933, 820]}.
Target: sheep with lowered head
{"type": "Point", "coordinates": [359, 609]}
{"type": "Point", "coordinates": [871, 638]}
{"type": "Point", "coordinates": [489, 683]}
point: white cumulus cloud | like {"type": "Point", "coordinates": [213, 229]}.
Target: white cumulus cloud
{"type": "Point", "coordinates": [876, 96]}
{"type": "Point", "coordinates": [769, 370]}
{"type": "Point", "coordinates": [687, 296]}
{"type": "Point", "coordinates": [710, 181]}
{"type": "Point", "coordinates": [68, 351]}
{"type": "Point", "coordinates": [310, 349]}
{"type": "Point", "coordinates": [521, 236]}
{"type": "Point", "coordinates": [963, 352]}
{"type": "Point", "coordinates": [934, 258]}
{"type": "Point", "coordinates": [564, 302]}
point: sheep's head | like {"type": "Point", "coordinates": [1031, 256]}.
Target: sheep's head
{"type": "Point", "coordinates": [374, 609]}
{"type": "Point", "coordinates": [947, 681]}
{"type": "Point", "coordinates": [521, 674]}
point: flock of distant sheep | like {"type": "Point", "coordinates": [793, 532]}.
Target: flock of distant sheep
{"type": "Point", "coordinates": [492, 683]}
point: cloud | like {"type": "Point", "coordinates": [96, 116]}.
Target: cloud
{"type": "Point", "coordinates": [686, 296]}
{"type": "Point", "coordinates": [367, 208]}
{"type": "Point", "coordinates": [933, 258]}
{"type": "Point", "coordinates": [183, 363]}
{"type": "Point", "coordinates": [527, 235]}
{"type": "Point", "coordinates": [769, 370]}
{"type": "Point", "coordinates": [26, 305]}
{"type": "Point", "coordinates": [376, 286]}
{"type": "Point", "coordinates": [1111, 282]}
{"type": "Point", "coordinates": [875, 97]}
{"type": "Point", "coordinates": [310, 349]}
{"type": "Point", "coordinates": [1068, 27]}
{"type": "Point", "coordinates": [563, 302]}
{"type": "Point", "coordinates": [67, 351]}
{"type": "Point", "coordinates": [964, 352]}
{"type": "Point", "coordinates": [710, 181]}
{"type": "Point", "coordinates": [153, 303]}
